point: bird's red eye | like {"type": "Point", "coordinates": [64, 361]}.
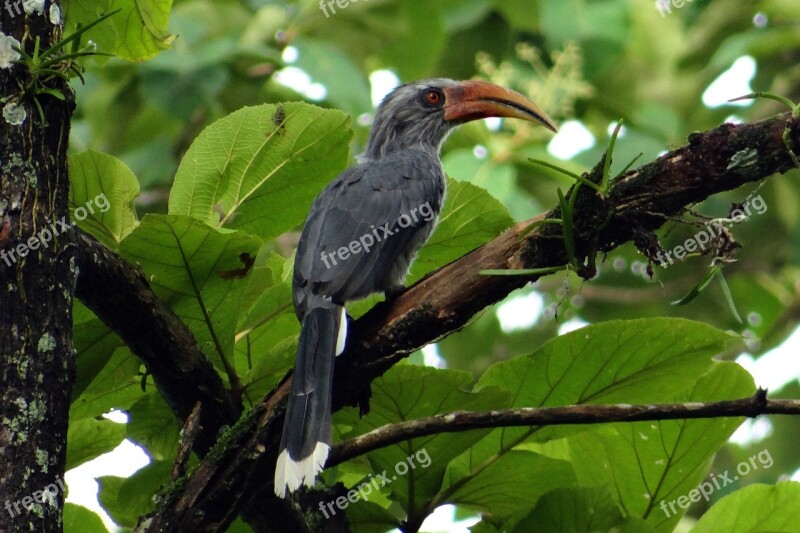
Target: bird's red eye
{"type": "Point", "coordinates": [433, 97]}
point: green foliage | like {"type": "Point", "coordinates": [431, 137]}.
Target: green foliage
{"type": "Point", "coordinates": [126, 499]}
{"type": "Point", "coordinates": [91, 437]}
{"type": "Point", "coordinates": [108, 186]}
{"type": "Point", "coordinates": [77, 518]}
{"type": "Point", "coordinates": [261, 167]}
{"type": "Point", "coordinates": [469, 218]}
{"type": "Point", "coordinates": [209, 164]}
{"type": "Point", "coordinates": [138, 32]}
{"type": "Point", "coordinates": [755, 508]}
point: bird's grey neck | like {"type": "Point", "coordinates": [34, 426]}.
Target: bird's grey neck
{"type": "Point", "coordinates": [388, 137]}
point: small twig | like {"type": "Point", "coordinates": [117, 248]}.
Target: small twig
{"type": "Point", "coordinates": [551, 416]}
{"type": "Point", "coordinates": [189, 432]}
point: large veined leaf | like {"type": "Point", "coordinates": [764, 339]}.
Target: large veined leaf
{"type": "Point", "coordinates": [259, 168]}
{"type": "Point", "coordinates": [650, 465]}
{"type": "Point", "coordinates": [409, 392]}
{"type": "Point", "coordinates": [755, 508]}
{"type": "Point", "coordinates": [608, 362]}
{"type": "Point", "coordinates": [101, 194]}
{"type": "Point", "coordinates": [635, 361]}
{"type": "Point", "coordinates": [136, 33]}
{"type": "Point", "coordinates": [514, 480]}
{"type": "Point", "coordinates": [199, 270]}
{"type": "Point", "coordinates": [266, 335]}
{"type": "Point", "coordinates": [499, 179]}
{"type": "Point", "coordinates": [470, 217]}
{"type": "Point", "coordinates": [581, 510]}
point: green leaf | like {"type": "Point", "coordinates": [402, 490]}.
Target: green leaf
{"type": "Point", "coordinates": [754, 509]}
{"type": "Point", "coordinates": [409, 392]}
{"type": "Point", "coordinates": [634, 361]}
{"type": "Point", "coordinates": [505, 483]}
{"type": "Point", "coordinates": [90, 438]}
{"type": "Point", "coordinates": [94, 344]}
{"type": "Point", "coordinates": [104, 188]}
{"type": "Point", "coordinates": [499, 179]}
{"type": "Point", "coordinates": [573, 509]}
{"type": "Point", "coordinates": [153, 425]}
{"type": "Point", "coordinates": [470, 218]}
{"type": "Point", "coordinates": [728, 296]}
{"type": "Point", "coordinates": [626, 361]}
{"type": "Point", "coordinates": [116, 386]}
{"type": "Point", "coordinates": [261, 167]}
{"type": "Point", "coordinates": [198, 270]}
{"type": "Point", "coordinates": [266, 336]}
{"type": "Point", "coordinates": [700, 287]}
{"type": "Point", "coordinates": [126, 499]}
{"type": "Point", "coordinates": [367, 517]}
{"type": "Point", "coordinates": [79, 519]}
{"type": "Point", "coordinates": [138, 32]}
{"type": "Point", "coordinates": [650, 465]}
{"type": "Point", "coordinates": [567, 227]}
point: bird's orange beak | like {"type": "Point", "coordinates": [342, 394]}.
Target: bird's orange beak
{"type": "Point", "coordinates": [474, 99]}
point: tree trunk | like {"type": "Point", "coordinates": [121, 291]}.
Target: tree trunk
{"type": "Point", "coordinates": [37, 276]}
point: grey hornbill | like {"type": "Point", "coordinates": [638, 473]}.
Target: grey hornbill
{"type": "Point", "coordinates": [361, 235]}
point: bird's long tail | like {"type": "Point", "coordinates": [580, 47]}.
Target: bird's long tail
{"type": "Point", "coordinates": [307, 427]}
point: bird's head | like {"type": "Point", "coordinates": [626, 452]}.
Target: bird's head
{"type": "Point", "coordinates": [422, 113]}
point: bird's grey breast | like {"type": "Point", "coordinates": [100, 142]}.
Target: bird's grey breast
{"type": "Point", "coordinates": [365, 228]}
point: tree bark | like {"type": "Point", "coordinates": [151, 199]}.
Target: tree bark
{"type": "Point", "coordinates": [36, 289]}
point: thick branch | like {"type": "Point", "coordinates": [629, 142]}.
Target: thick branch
{"type": "Point", "coordinates": [445, 300]}
{"type": "Point", "coordinates": [120, 296]}
{"type": "Point", "coordinates": [390, 434]}
{"type": "Point", "coordinates": [639, 202]}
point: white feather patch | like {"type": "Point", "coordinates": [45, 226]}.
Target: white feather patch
{"type": "Point", "coordinates": [291, 474]}
{"type": "Point", "coordinates": [342, 333]}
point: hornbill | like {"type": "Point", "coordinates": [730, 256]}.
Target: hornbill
{"type": "Point", "coordinates": [361, 235]}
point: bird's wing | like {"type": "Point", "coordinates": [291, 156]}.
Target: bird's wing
{"type": "Point", "coordinates": [358, 209]}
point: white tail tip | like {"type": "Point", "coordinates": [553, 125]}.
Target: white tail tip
{"type": "Point", "coordinates": [342, 338]}
{"type": "Point", "coordinates": [291, 474]}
